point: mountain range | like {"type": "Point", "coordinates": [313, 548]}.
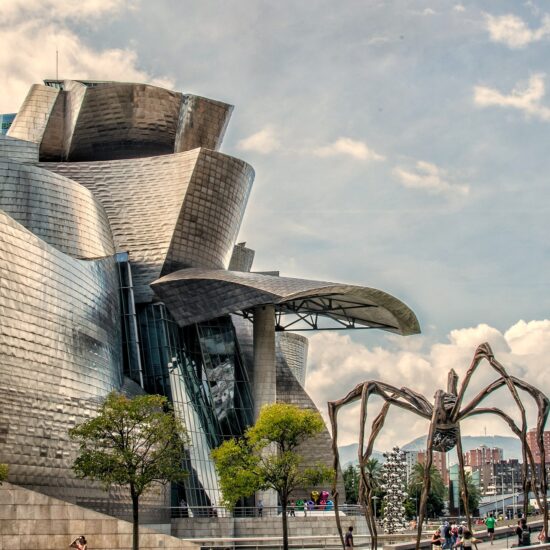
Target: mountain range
{"type": "Point", "coordinates": [511, 447]}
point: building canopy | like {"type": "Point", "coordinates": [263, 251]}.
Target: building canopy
{"type": "Point", "coordinates": [195, 295]}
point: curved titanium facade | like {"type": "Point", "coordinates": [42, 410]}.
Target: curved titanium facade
{"type": "Point", "coordinates": [34, 115]}
{"type": "Point", "coordinates": [60, 355]}
{"type": "Point", "coordinates": [118, 221]}
{"type": "Point", "coordinates": [56, 209]}
{"type": "Point", "coordinates": [18, 150]}
{"type": "Point", "coordinates": [60, 317]}
{"type": "Point", "coordinates": [93, 121]}
{"type": "Point", "coordinates": [293, 349]}
{"type": "Point", "coordinates": [169, 212]}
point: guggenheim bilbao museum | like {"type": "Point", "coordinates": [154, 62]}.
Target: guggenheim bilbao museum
{"type": "Point", "coordinates": [120, 270]}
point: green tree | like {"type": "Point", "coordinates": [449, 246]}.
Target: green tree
{"type": "Point", "coordinates": [132, 442]}
{"type": "Point", "coordinates": [3, 472]}
{"type": "Point", "coordinates": [351, 484]}
{"type": "Point", "coordinates": [373, 471]}
{"type": "Point", "coordinates": [474, 494]}
{"type": "Point", "coordinates": [266, 457]}
{"type": "Point", "coordinates": [436, 496]}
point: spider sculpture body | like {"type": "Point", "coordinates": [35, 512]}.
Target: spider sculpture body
{"type": "Point", "coordinates": [445, 415]}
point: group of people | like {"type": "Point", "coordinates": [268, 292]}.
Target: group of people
{"type": "Point", "coordinates": [317, 501]}
{"type": "Point", "coordinates": [452, 536]}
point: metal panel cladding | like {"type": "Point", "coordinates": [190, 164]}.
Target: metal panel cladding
{"type": "Point", "coordinates": [60, 317]}
{"type": "Point", "coordinates": [169, 212]}
{"type": "Point", "coordinates": [59, 211]}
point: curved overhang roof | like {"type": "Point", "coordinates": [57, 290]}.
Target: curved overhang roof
{"type": "Point", "coordinates": [195, 295]}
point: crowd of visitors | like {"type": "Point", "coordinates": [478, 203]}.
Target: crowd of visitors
{"type": "Point", "coordinates": [317, 501]}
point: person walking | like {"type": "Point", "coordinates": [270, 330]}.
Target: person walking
{"type": "Point", "coordinates": [291, 507]}
{"type": "Point", "coordinates": [447, 535]}
{"type": "Point", "coordinates": [467, 540]}
{"type": "Point", "coordinates": [519, 532]}
{"type": "Point", "coordinates": [437, 540]}
{"type": "Point", "coordinates": [490, 524]}
{"type": "Point", "coordinates": [260, 508]}
{"type": "Point", "coordinates": [349, 538]}
{"type": "Point", "coordinates": [454, 533]}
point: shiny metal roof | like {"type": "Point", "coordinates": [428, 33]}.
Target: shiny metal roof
{"type": "Point", "coordinates": [195, 295]}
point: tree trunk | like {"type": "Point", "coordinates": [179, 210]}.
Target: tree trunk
{"type": "Point", "coordinates": [135, 519]}
{"type": "Point", "coordinates": [285, 524]}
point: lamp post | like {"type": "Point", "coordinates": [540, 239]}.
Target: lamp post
{"type": "Point", "coordinates": [503, 500]}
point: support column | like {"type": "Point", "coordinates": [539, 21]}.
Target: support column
{"type": "Point", "coordinates": [265, 382]}
{"type": "Point", "coordinates": [265, 374]}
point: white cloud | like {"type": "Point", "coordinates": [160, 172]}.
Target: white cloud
{"type": "Point", "coordinates": [513, 31]}
{"type": "Point", "coordinates": [18, 10]}
{"type": "Point", "coordinates": [428, 11]}
{"type": "Point", "coordinates": [459, 8]}
{"type": "Point", "coordinates": [523, 350]}
{"type": "Point", "coordinates": [344, 146]}
{"type": "Point", "coordinates": [430, 178]}
{"type": "Point", "coordinates": [526, 98]}
{"type": "Point", "coordinates": [31, 39]}
{"type": "Point", "coordinates": [378, 39]}
{"type": "Point", "coordinates": [265, 141]}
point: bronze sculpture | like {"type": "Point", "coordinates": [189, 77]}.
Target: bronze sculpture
{"type": "Point", "coordinates": [445, 416]}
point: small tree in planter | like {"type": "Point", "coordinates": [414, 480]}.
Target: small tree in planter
{"type": "Point", "coordinates": [266, 457]}
{"type": "Point", "coordinates": [132, 442]}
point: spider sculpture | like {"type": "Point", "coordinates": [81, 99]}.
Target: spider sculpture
{"type": "Point", "coordinates": [445, 416]}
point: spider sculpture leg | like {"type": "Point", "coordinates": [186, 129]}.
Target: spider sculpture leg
{"type": "Point", "coordinates": [366, 487]}
{"type": "Point", "coordinates": [463, 485]}
{"type": "Point", "coordinates": [403, 398]}
{"type": "Point", "coordinates": [484, 352]}
{"type": "Point", "coordinates": [427, 468]}
{"type": "Point", "coordinates": [528, 469]}
{"type": "Point", "coordinates": [472, 408]}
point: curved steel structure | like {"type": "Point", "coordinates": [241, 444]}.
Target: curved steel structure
{"type": "Point", "coordinates": [94, 121]}
{"type": "Point", "coordinates": [193, 294]}
{"type": "Point", "coordinates": [58, 210]}
{"type": "Point", "coordinates": [60, 326]}
{"type": "Point", "coordinates": [169, 212]}
{"type": "Point", "coordinates": [118, 222]}
{"type": "Point", "coordinates": [18, 150]}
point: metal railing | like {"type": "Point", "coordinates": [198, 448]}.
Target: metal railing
{"type": "Point", "coordinates": [266, 511]}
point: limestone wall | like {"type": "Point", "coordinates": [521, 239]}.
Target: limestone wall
{"type": "Point", "coordinates": [33, 521]}
{"type": "Point", "coordinates": [208, 528]}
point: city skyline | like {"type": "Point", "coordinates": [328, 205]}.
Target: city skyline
{"type": "Point", "coordinates": [396, 144]}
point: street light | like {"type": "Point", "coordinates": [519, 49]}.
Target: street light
{"type": "Point", "coordinates": [513, 494]}
{"type": "Point", "coordinates": [503, 501]}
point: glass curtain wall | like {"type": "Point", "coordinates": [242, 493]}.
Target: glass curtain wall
{"type": "Point", "coordinates": [200, 369]}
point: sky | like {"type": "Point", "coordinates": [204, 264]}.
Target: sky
{"type": "Point", "coordinates": [400, 145]}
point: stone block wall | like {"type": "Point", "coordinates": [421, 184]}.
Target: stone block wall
{"type": "Point", "coordinates": [270, 526]}
{"type": "Point", "coordinates": [32, 521]}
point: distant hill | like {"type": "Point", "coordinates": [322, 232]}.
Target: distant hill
{"type": "Point", "coordinates": [510, 446]}
{"type": "Point", "coordinates": [348, 455]}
